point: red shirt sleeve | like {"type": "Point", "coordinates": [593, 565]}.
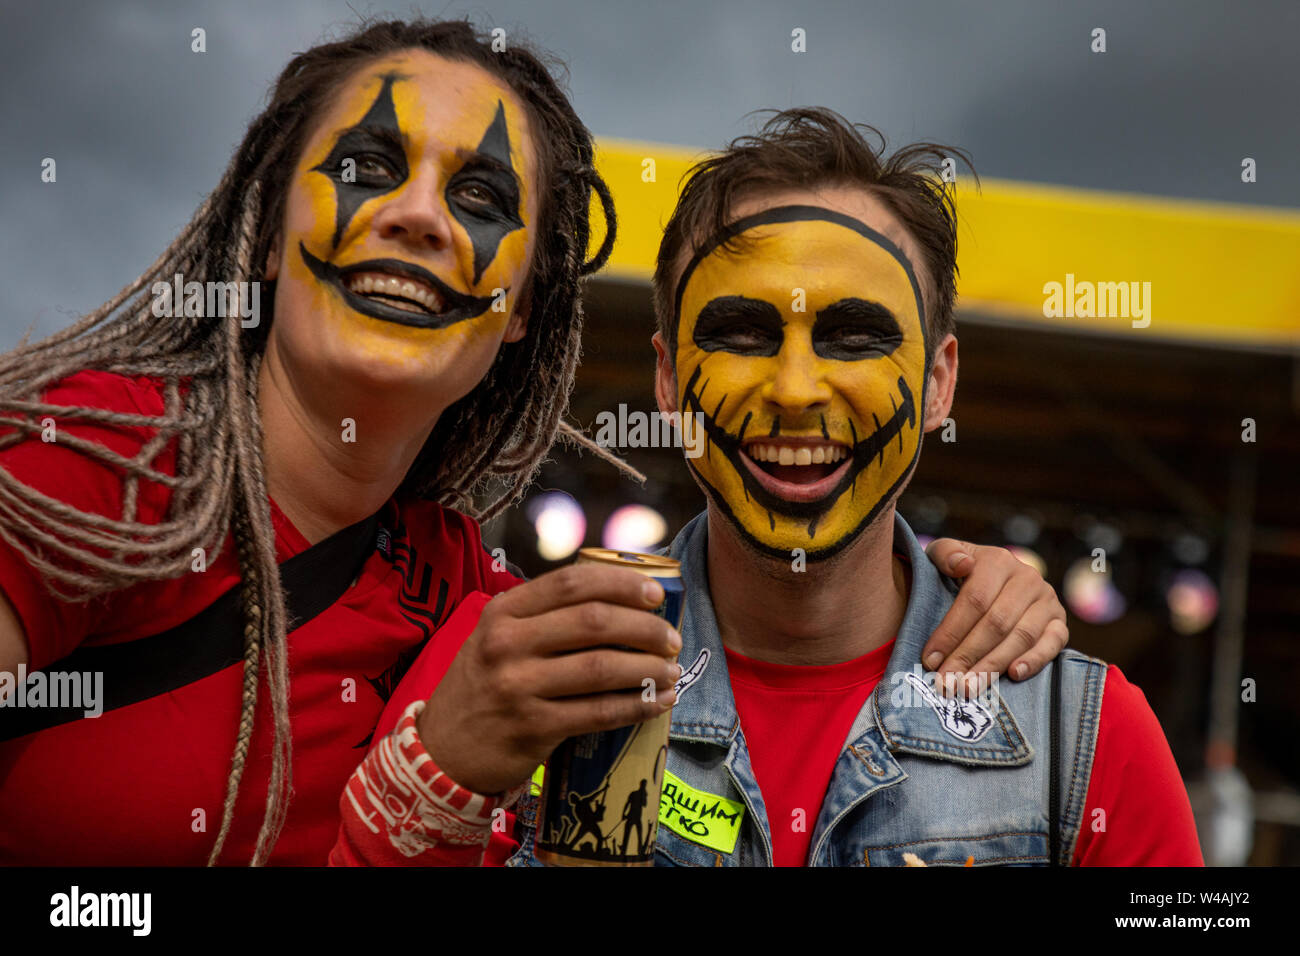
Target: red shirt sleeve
{"type": "Point", "coordinates": [1137, 812]}
{"type": "Point", "coordinates": [357, 845]}
{"type": "Point", "coordinates": [53, 627]}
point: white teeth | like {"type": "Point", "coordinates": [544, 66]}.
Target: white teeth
{"type": "Point", "coordinates": [387, 285]}
{"type": "Point", "coordinates": [786, 455]}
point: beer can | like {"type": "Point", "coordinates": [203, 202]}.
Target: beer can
{"type": "Point", "coordinates": [600, 797]}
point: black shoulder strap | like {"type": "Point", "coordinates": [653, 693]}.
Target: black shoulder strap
{"type": "Point", "coordinates": [205, 644]}
{"type": "Point", "coordinates": [1054, 771]}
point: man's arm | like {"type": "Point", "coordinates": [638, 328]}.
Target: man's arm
{"type": "Point", "coordinates": [1137, 812]}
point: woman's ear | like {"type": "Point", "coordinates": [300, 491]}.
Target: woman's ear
{"type": "Point", "coordinates": [272, 260]}
{"type": "Point", "coordinates": [518, 324]}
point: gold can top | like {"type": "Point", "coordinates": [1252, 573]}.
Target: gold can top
{"type": "Point", "coordinates": [657, 565]}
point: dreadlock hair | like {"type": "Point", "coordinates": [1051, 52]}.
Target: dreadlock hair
{"type": "Point", "coordinates": [493, 439]}
{"type": "Point", "coordinates": [812, 146]}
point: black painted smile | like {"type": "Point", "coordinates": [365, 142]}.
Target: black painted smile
{"type": "Point", "coordinates": [457, 306]}
{"type": "Point", "coordinates": [861, 454]}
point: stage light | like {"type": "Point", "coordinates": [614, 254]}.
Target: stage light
{"type": "Point", "coordinates": [1091, 594]}
{"type": "Point", "coordinates": [634, 528]}
{"type": "Point", "coordinates": [1193, 601]}
{"type": "Point", "coordinates": [559, 522]}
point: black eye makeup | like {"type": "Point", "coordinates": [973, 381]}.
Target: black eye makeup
{"type": "Point", "coordinates": [483, 195]}
{"type": "Point", "coordinates": [736, 323]}
{"type": "Point", "coordinates": [484, 189]}
{"type": "Point", "coordinates": [375, 145]}
{"type": "Point", "coordinates": [853, 329]}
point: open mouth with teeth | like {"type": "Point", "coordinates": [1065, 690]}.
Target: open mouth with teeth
{"type": "Point", "coordinates": [801, 477]}
{"type": "Point", "coordinates": [397, 291]}
{"type": "Point", "coordinates": [794, 468]}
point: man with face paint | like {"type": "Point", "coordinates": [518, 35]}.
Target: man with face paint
{"type": "Point", "coordinates": [801, 347]}
{"type": "Point", "coordinates": [804, 294]}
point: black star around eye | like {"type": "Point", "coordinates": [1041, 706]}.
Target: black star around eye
{"type": "Point", "coordinates": [381, 117]}
{"type": "Point", "coordinates": [487, 230]}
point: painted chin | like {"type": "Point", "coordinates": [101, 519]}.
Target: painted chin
{"type": "Point", "coordinates": [799, 484]}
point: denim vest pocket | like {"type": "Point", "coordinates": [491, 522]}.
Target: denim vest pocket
{"type": "Point", "coordinates": [674, 850]}
{"type": "Point", "coordinates": [1023, 848]}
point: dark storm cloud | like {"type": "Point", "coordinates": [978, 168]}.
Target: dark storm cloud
{"type": "Point", "coordinates": [142, 128]}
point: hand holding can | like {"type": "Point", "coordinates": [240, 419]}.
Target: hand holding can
{"type": "Point", "coordinates": [563, 655]}
{"type": "Point", "coordinates": [600, 797]}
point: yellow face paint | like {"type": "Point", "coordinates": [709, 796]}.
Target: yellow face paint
{"type": "Point", "coordinates": [803, 352]}
{"type": "Point", "coordinates": [451, 139]}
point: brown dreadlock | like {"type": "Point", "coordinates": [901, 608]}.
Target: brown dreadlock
{"type": "Point", "coordinates": [493, 438]}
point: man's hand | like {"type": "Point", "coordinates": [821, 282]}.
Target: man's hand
{"type": "Point", "coordinates": [550, 659]}
{"type": "Point", "coordinates": [1004, 614]}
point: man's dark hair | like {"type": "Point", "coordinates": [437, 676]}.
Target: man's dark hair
{"type": "Point", "coordinates": [810, 147]}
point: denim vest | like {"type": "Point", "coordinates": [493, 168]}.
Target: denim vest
{"type": "Point", "coordinates": [917, 774]}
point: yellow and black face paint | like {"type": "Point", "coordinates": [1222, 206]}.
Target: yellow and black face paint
{"type": "Point", "coordinates": [804, 355]}
{"type": "Point", "coordinates": [369, 162]}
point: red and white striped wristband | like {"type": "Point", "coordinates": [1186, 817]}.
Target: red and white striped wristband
{"type": "Point", "coordinates": [399, 790]}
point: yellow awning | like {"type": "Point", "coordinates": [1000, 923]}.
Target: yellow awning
{"type": "Point", "coordinates": [1217, 272]}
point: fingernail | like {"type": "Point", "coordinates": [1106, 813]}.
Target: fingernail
{"type": "Point", "coordinates": [957, 560]}
{"type": "Point", "coordinates": [653, 592]}
{"type": "Point", "coordinates": [1021, 669]}
{"type": "Point", "coordinates": [933, 660]}
{"type": "Point", "coordinates": [674, 639]}
{"type": "Point", "coordinates": [667, 699]}
{"type": "Point", "coordinates": [679, 671]}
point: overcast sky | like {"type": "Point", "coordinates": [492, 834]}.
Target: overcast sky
{"type": "Point", "coordinates": [141, 127]}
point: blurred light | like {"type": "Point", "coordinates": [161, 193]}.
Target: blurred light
{"type": "Point", "coordinates": [1030, 557]}
{"type": "Point", "coordinates": [559, 522]}
{"type": "Point", "coordinates": [1092, 595]}
{"type": "Point", "coordinates": [1021, 529]}
{"type": "Point", "coordinates": [634, 528]}
{"type": "Point", "coordinates": [929, 513]}
{"type": "Point", "coordinates": [1193, 601]}
{"type": "Point", "coordinates": [1104, 536]}
{"type": "Point", "coordinates": [1190, 548]}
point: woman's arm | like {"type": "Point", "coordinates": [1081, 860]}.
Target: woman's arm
{"type": "Point", "coordinates": [13, 641]}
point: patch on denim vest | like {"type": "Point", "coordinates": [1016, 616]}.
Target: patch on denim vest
{"type": "Point", "coordinates": [692, 673]}
{"type": "Point", "coordinates": [699, 816]}
{"type": "Point", "coordinates": [967, 720]}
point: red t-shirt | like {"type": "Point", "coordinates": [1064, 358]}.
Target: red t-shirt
{"type": "Point", "coordinates": [796, 718]}
{"type": "Point", "coordinates": [145, 783]}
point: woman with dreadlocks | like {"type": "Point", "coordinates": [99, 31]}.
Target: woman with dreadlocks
{"type": "Point", "coordinates": [213, 533]}
{"type": "Point", "coordinates": [418, 204]}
